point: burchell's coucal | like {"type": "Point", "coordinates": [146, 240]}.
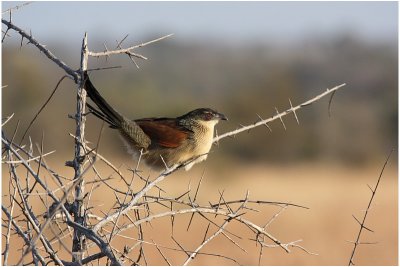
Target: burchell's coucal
{"type": "Point", "coordinates": [163, 141]}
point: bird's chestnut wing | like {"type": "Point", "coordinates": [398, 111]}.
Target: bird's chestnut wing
{"type": "Point", "coordinates": [164, 132]}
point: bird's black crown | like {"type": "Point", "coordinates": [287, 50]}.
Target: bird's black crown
{"type": "Point", "coordinates": [205, 114]}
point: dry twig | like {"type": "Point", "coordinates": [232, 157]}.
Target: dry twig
{"type": "Point", "coordinates": [362, 223]}
{"type": "Point", "coordinates": [278, 115]}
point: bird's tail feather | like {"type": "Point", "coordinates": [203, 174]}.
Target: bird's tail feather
{"type": "Point", "coordinates": [106, 112]}
{"type": "Point", "coordinates": [101, 115]}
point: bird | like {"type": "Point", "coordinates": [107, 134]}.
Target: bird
{"type": "Point", "coordinates": [162, 143]}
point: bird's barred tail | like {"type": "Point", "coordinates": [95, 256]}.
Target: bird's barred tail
{"type": "Point", "coordinates": [128, 128]}
{"type": "Point", "coordinates": [106, 112]}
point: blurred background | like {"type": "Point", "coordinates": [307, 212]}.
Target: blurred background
{"type": "Point", "coordinates": [243, 59]}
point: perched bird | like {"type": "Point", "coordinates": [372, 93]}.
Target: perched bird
{"type": "Point", "coordinates": [163, 142]}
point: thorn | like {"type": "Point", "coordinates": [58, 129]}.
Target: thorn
{"type": "Point", "coordinates": [361, 224]}
{"type": "Point", "coordinates": [172, 222]}
{"type": "Point", "coordinates": [165, 164]}
{"type": "Point", "coordinates": [368, 243]}
{"type": "Point", "coordinates": [30, 34]}
{"type": "Point", "coordinates": [216, 136]}
{"type": "Point", "coordinates": [219, 201]}
{"type": "Point", "coordinates": [269, 128]}
{"type": "Point", "coordinates": [356, 219]}
{"type": "Point", "coordinates": [224, 202]}
{"type": "Point", "coordinates": [205, 234]}
{"type": "Point", "coordinates": [242, 126]}
{"type": "Point", "coordinates": [134, 62]}
{"type": "Point", "coordinates": [120, 43]}
{"type": "Point", "coordinates": [22, 39]}
{"type": "Point", "coordinates": [182, 249]}
{"type": "Point", "coordinates": [294, 112]}
{"type": "Point", "coordinates": [198, 186]}
{"type": "Point", "coordinates": [370, 188]}
{"type": "Point", "coordinates": [187, 192]}
{"type": "Point", "coordinates": [366, 228]}
{"type": "Point", "coordinates": [330, 103]}
{"type": "Point", "coordinates": [190, 221]}
{"type": "Point", "coordinates": [280, 117]}
{"type": "Point", "coordinates": [106, 50]}
{"type": "Point", "coordinates": [138, 55]}
{"type": "Point", "coordinates": [265, 124]}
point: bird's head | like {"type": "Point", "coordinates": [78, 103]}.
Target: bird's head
{"type": "Point", "coordinates": [205, 114]}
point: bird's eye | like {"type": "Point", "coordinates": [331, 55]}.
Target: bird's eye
{"type": "Point", "coordinates": [208, 116]}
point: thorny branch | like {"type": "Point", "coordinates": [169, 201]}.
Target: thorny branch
{"type": "Point", "coordinates": [219, 231]}
{"type": "Point", "coordinates": [264, 122]}
{"type": "Point", "coordinates": [78, 210]}
{"type": "Point", "coordinates": [98, 239]}
{"type": "Point", "coordinates": [34, 220]}
{"type": "Point", "coordinates": [143, 204]}
{"type": "Point", "coordinates": [128, 51]}
{"type": "Point", "coordinates": [77, 207]}
{"type": "Point", "coordinates": [362, 223]}
{"type": "Point", "coordinates": [72, 73]}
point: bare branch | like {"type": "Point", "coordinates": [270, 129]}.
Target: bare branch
{"type": "Point", "coordinates": [28, 160]}
{"type": "Point", "coordinates": [159, 250]}
{"type": "Point", "coordinates": [104, 247]}
{"type": "Point", "coordinates": [43, 106]}
{"type": "Point", "coordinates": [126, 50]}
{"type": "Point", "coordinates": [7, 120]}
{"type": "Point", "coordinates": [43, 49]}
{"type": "Point", "coordinates": [24, 236]}
{"type": "Point", "coordinates": [139, 195]}
{"type": "Point", "coordinates": [78, 243]}
{"type": "Point", "coordinates": [219, 231]}
{"type": "Point", "coordinates": [8, 234]}
{"type": "Point", "coordinates": [279, 115]}
{"type": "Point", "coordinates": [362, 223]}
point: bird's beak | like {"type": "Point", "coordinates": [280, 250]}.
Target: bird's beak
{"type": "Point", "coordinates": [221, 117]}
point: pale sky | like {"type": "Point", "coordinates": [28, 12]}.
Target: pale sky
{"type": "Point", "coordinates": [222, 21]}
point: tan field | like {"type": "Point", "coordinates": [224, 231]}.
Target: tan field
{"type": "Point", "coordinates": [331, 192]}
